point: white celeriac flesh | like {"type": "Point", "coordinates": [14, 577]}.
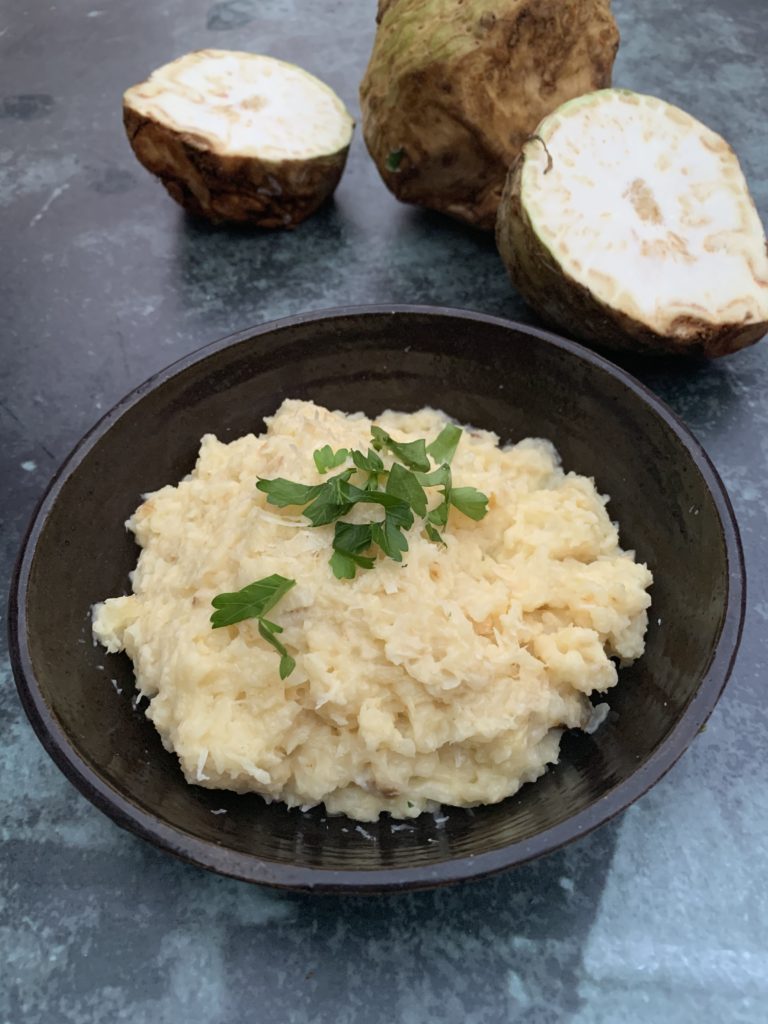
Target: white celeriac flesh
{"type": "Point", "coordinates": [648, 209]}
{"type": "Point", "coordinates": [245, 104]}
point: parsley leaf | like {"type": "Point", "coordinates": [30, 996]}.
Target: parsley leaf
{"type": "Point", "coordinates": [268, 630]}
{"type": "Point", "coordinates": [370, 463]}
{"type": "Point", "coordinates": [327, 501]}
{"type": "Point", "coordinates": [390, 538]}
{"type": "Point", "coordinates": [351, 538]}
{"type": "Point", "coordinates": [471, 502]}
{"type": "Point", "coordinates": [439, 514]}
{"type": "Point", "coordinates": [412, 454]}
{"type": "Point", "coordinates": [443, 448]}
{"type": "Point", "coordinates": [342, 566]}
{"type": "Point", "coordinates": [329, 506]}
{"type": "Point", "coordinates": [326, 458]}
{"type": "Point", "coordinates": [403, 484]}
{"type": "Point", "coordinates": [433, 534]}
{"type": "Point", "coordinates": [439, 477]}
{"type": "Point", "coordinates": [252, 602]}
{"type": "Point", "coordinates": [398, 509]}
{"type": "Point", "coordinates": [333, 501]}
{"type": "Point", "coordinates": [282, 492]}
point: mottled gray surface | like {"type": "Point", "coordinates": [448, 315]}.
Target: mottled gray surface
{"type": "Point", "coordinates": [661, 916]}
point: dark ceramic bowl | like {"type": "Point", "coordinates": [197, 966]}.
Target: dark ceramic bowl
{"type": "Point", "coordinates": [503, 376]}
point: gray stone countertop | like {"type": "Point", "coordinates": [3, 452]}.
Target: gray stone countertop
{"type": "Point", "coordinates": [661, 916]}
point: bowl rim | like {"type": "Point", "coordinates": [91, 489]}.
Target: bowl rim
{"type": "Point", "coordinates": [248, 867]}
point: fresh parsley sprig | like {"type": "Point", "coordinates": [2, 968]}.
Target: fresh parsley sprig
{"type": "Point", "coordinates": [253, 602]}
{"type": "Point", "coordinates": [402, 498]}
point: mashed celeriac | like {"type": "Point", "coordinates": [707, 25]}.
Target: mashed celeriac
{"type": "Point", "coordinates": [446, 679]}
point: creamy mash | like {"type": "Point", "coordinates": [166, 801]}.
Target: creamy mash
{"type": "Point", "coordinates": [446, 679]}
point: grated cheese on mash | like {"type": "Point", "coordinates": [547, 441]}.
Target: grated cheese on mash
{"type": "Point", "coordinates": [445, 680]}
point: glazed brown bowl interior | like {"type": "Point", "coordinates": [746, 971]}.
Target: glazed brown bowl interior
{"type": "Point", "coordinates": [494, 374]}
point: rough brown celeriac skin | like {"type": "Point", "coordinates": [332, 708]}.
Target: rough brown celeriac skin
{"type": "Point", "coordinates": [223, 187]}
{"type": "Point", "coordinates": [456, 86]}
{"type": "Point", "coordinates": [572, 309]}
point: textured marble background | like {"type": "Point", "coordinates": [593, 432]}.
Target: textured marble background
{"type": "Point", "coordinates": [658, 917]}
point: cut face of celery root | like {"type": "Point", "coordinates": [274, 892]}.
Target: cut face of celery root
{"type": "Point", "coordinates": [240, 137]}
{"type": "Point", "coordinates": [628, 224]}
